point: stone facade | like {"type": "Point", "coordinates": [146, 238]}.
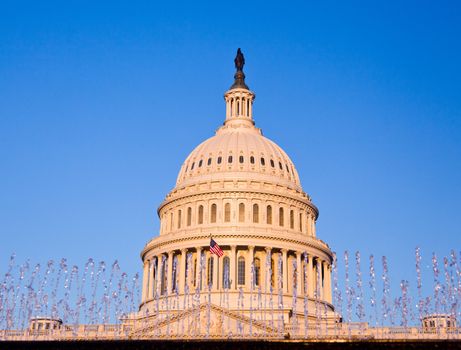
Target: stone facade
{"type": "Point", "coordinates": [244, 191]}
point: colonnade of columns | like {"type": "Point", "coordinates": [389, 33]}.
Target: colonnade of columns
{"type": "Point", "coordinates": [246, 267]}
{"type": "Point", "coordinates": [239, 105]}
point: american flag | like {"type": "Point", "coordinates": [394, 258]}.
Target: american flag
{"type": "Point", "coordinates": [215, 248]}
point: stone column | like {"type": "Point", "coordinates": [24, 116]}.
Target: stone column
{"type": "Point", "coordinates": [159, 274]}
{"type": "Point", "coordinates": [285, 270]}
{"type": "Point", "coordinates": [170, 273]}
{"type": "Point", "coordinates": [145, 280]}
{"type": "Point", "coordinates": [310, 276]}
{"type": "Point", "coordinates": [232, 269]}
{"type": "Point", "coordinates": [328, 282]}
{"type": "Point", "coordinates": [215, 271]}
{"type": "Point", "coordinates": [198, 280]}
{"type": "Point", "coordinates": [299, 271]}
{"type": "Point", "coordinates": [150, 292]}
{"type": "Point", "coordinates": [267, 277]}
{"type": "Point", "coordinates": [182, 271]}
{"type": "Point", "coordinates": [248, 268]}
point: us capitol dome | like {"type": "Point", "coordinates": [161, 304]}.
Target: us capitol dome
{"type": "Point", "coordinates": [241, 191]}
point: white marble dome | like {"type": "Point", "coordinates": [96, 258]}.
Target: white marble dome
{"type": "Point", "coordinates": [240, 152]}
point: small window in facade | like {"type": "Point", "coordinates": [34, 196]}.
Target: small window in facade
{"type": "Point", "coordinates": [252, 160]}
{"type": "Point", "coordinates": [179, 218]}
{"type": "Point", "coordinates": [200, 163]}
{"type": "Point", "coordinates": [241, 159]}
{"type": "Point", "coordinates": [286, 166]}
{"type": "Point", "coordinates": [257, 273]}
{"type": "Point", "coordinates": [227, 212]}
{"type": "Point", "coordinates": [272, 163]}
{"type": "Point", "coordinates": [192, 167]}
{"type": "Point", "coordinates": [229, 159]}
{"type": "Point", "coordinates": [292, 219]}
{"type": "Point", "coordinates": [189, 216]}
{"type": "Point", "coordinates": [281, 218]}
{"type": "Point", "coordinates": [164, 274]}
{"type": "Point", "coordinates": [209, 161]}
{"type": "Point", "coordinates": [200, 215]}
{"type": "Point", "coordinates": [210, 271]}
{"type": "Point", "coordinates": [174, 277]}
{"type": "Point", "coordinates": [241, 212]}
{"type": "Point", "coordinates": [241, 271]}
{"type": "Point", "coordinates": [213, 213]}
{"type": "Point", "coordinates": [273, 273]}
{"type": "Point", "coordinates": [280, 166]}
{"type": "Point", "coordinates": [171, 221]}
{"type": "Point", "coordinates": [300, 222]}
{"type": "Point", "coordinates": [248, 108]}
{"type": "Point", "coordinates": [263, 161]}
{"type": "Point", "coordinates": [255, 213]}
{"type": "Point", "coordinates": [219, 160]}
{"type": "Point", "coordinates": [226, 273]}
{"type": "Point", "coordinates": [269, 215]}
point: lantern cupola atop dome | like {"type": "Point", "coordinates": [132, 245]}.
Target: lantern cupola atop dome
{"type": "Point", "coordinates": [239, 99]}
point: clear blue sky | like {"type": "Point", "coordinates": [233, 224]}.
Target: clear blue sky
{"type": "Point", "coordinates": [100, 102]}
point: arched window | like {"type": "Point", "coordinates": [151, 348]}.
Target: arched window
{"type": "Point", "coordinates": [192, 167]}
{"type": "Point", "coordinates": [200, 215]}
{"type": "Point", "coordinates": [210, 271]}
{"type": "Point", "coordinates": [238, 107]}
{"type": "Point", "coordinates": [252, 160]}
{"type": "Point", "coordinates": [272, 163]}
{"type": "Point", "coordinates": [300, 222]}
{"type": "Point", "coordinates": [163, 283]}
{"type": "Point", "coordinates": [209, 161]}
{"type": "Point", "coordinates": [257, 266]}
{"type": "Point", "coordinates": [241, 270]}
{"type": "Point", "coordinates": [248, 108]}
{"type": "Point", "coordinates": [292, 219]}
{"type": "Point", "coordinates": [232, 107]}
{"type": "Point", "coordinates": [189, 216]}
{"type": "Point", "coordinates": [241, 212]}
{"type": "Point", "coordinates": [213, 213]}
{"type": "Point", "coordinates": [241, 159]}
{"type": "Point", "coordinates": [229, 159]}
{"type": "Point", "coordinates": [273, 273]}
{"type": "Point", "coordinates": [179, 218]}
{"type": "Point", "coordinates": [269, 215]}
{"type": "Point", "coordinates": [255, 213]}
{"type": "Point", "coordinates": [281, 218]}
{"type": "Point", "coordinates": [219, 160]}
{"type": "Point", "coordinates": [174, 275]}
{"type": "Point", "coordinates": [171, 221]}
{"type": "Point", "coordinates": [280, 166]}
{"type": "Point", "coordinates": [227, 212]}
{"type": "Point", "coordinates": [263, 161]}
{"type": "Point", "coordinates": [226, 273]}
{"type": "Point", "coordinates": [193, 274]}
{"type": "Point", "coordinates": [200, 163]}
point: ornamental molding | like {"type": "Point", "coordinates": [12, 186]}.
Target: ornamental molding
{"type": "Point", "coordinates": [166, 242]}
{"type": "Point", "coordinates": [169, 203]}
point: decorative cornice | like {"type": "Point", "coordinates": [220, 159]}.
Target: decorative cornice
{"type": "Point", "coordinates": [165, 241]}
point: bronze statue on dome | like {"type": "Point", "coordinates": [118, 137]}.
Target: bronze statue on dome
{"type": "Point", "coordinates": [239, 60]}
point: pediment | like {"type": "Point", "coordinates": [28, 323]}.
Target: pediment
{"type": "Point", "coordinates": [205, 320]}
